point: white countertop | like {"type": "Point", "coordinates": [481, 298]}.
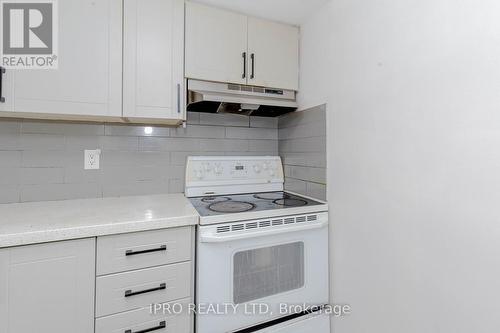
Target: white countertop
{"type": "Point", "coordinates": [39, 222]}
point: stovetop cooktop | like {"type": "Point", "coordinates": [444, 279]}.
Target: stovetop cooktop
{"type": "Point", "coordinates": [241, 203]}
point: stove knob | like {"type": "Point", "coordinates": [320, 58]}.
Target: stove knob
{"type": "Point", "coordinates": [218, 169]}
{"type": "Point", "coordinates": [208, 167]}
{"type": "Point", "coordinates": [256, 168]}
{"type": "Point", "coordinates": [265, 167]}
{"type": "Point", "coordinates": [199, 174]}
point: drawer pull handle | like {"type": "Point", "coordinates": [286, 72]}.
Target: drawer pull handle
{"type": "Point", "coordinates": [252, 56]}
{"type": "Point", "coordinates": [178, 98]}
{"type": "Point", "coordinates": [2, 72]}
{"type": "Point", "coordinates": [129, 292]}
{"type": "Point", "coordinates": [133, 253]}
{"type": "Point", "coordinates": [162, 324]}
{"type": "Point", "coordinates": [244, 55]}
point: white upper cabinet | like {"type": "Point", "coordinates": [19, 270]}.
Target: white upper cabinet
{"type": "Point", "coordinates": [225, 46]}
{"type": "Point", "coordinates": [153, 59]}
{"type": "Point", "coordinates": [88, 80]}
{"type": "Point", "coordinates": [273, 50]}
{"type": "Point", "coordinates": [216, 44]}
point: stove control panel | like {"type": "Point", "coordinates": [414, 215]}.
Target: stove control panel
{"type": "Point", "coordinates": [234, 170]}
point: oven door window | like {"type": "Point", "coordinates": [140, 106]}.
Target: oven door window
{"type": "Point", "coordinates": [263, 272]}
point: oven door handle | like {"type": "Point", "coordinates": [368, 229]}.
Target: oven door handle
{"type": "Point", "coordinates": [221, 238]}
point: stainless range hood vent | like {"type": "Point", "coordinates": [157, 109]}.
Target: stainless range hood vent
{"type": "Point", "coordinates": [212, 97]}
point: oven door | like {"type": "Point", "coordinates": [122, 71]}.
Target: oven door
{"type": "Point", "coordinates": [251, 272]}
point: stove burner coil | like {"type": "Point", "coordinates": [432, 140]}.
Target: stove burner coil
{"type": "Point", "coordinates": [231, 206]}
{"type": "Point", "coordinates": [290, 202]}
{"type": "Point", "coordinates": [215, 199]}
{"type": "Point", "coordinates": [271, 196]}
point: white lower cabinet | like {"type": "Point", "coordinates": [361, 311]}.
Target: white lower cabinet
{"type": "Point", "coordinates": [54, 287]}
{"type": "Point", "coordinates": [145, 320]}
{"type": "Point", "coordinates": [131, 290]}
{"type": "Point", "coordinates": [136, 270]}
{"type": "Point", "coordinates": [48, 288]}
{"type": "Point", "coordinates": [128, 252]}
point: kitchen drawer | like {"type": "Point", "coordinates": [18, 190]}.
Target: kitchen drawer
{"type": "Point", "coordinates": [120, 253]}
{"type": "Point", "coordinates": [142, 319]}
{"type": "Point", "coordinates": [132, 290]}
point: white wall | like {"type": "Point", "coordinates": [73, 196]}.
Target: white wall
{"type": "Point", "coordinates": [413, 93]}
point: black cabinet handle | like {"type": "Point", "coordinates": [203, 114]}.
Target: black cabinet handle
{"type": "Point", "coordinates": [129, 292]}
{"type": "Point", "coordinates": [133, 253]}
{"type": "Point", "coordinates": [178, 98]}
{"type": "Point", "coordinates": [244, 55]}
{"type": "Point", "coordinates": [161, 325]}
{"type": "Point", "coordinates": [252, 57]}
{"type": "Point", "coordinates": [2, 72]}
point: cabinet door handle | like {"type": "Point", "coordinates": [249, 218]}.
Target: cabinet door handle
{"type": "Point", "coordinates": [252, 58]}
{"type": "Point", "coordinates": [133, 253]}
{"type": "Point", "coordinates": [244, 55]}
{"type": "Point", "coordinates": [2, 72]}
{"type": "Point", "coordinates": [178, 98]}
{"type": "Point", "coordinates": [129, 292]}
{"type": "Point", "coordinates": [161, 325]}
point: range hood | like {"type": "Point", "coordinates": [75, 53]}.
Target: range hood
{"type": "Point", "coordinates": [212, 97]}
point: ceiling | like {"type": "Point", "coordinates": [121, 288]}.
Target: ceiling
{"type": "Point", "coordinates": [288, 11]}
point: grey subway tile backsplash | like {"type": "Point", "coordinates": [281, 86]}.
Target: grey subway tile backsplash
{"type": "Point", "coordinates": [169, 144]}
{"type": "Point", "coordinates": [126, 188]}
{"type": "Point", "coordinates": [42, 160]}
{"type": "Point", "coordinates": [10, 159]}
{"type": "Point", "coordinates": [10, 127]}
{"type": "Point", "coordinates": [137, 158]}
{"type": "Point", "coordinates": [132, 130]}
{"type": "Point", "coordinates": [313, 115]}
{"type": "Point", "coordinates": [305, 159]}
{"type": "Point", "coordinates": [47, 159]}
{"type": "Point", "coordinates": [224, 119]}
{"type": "Point", "coordinates": [223, 145]}
{"type": "Point", "coordinates": [193, 118]}
{"type": "Point", "coordinates": [264, 122]}
{"type": "Point", "coordinates": [197, 131]}
{"type": "Point", "coordinates": [316, 190]}
{"type": "Point", "coordinates": [123, 143]}
{"type": "Point", "coordinates": [262, 145]}
{"type": "Point", "coordinates": [296, 185]}
{"type": "Point", "coordinates": [251, 133]}
{"type": "Point", "coordinates": [83, 142]}
{"type": "Point", "coordinates": [9, 176]}
{"type": "Point", "coordinates": [9, 141]}
{"type": "Point", "coordinates": [307, 130]}
{"type": "Point", "coordinates": [302, 146]}
{"type": "Point", "coordinates": [77, 175]}
{"type": "Point", "coordinates": [10, 193]}
{"type": "Point", "coordinates": [41, 141]}
{"type": "Point", "coordinates": [41, 127]}
{"type": "Point", "coordinates": [46, 192]}
{"type": "Point", "coordinates": [33, 176]}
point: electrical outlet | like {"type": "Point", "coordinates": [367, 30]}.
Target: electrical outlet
{"type": "Point", "coordinates": [92, 158]}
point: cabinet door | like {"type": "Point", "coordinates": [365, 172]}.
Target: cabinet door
{"type": "Point", "coordinates": [88, 80]}
{"type": "Point", "coordinates": [215, 43]}
{"type": "Point", "coordinates": [275, 51]}
{"type": "Point", "coordinates": [153, 82]}
{"type": "Point", "coordinates": [48, 288]}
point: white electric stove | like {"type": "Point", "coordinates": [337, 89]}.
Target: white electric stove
{"type": "Point", "coordinates": [260, 250]}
